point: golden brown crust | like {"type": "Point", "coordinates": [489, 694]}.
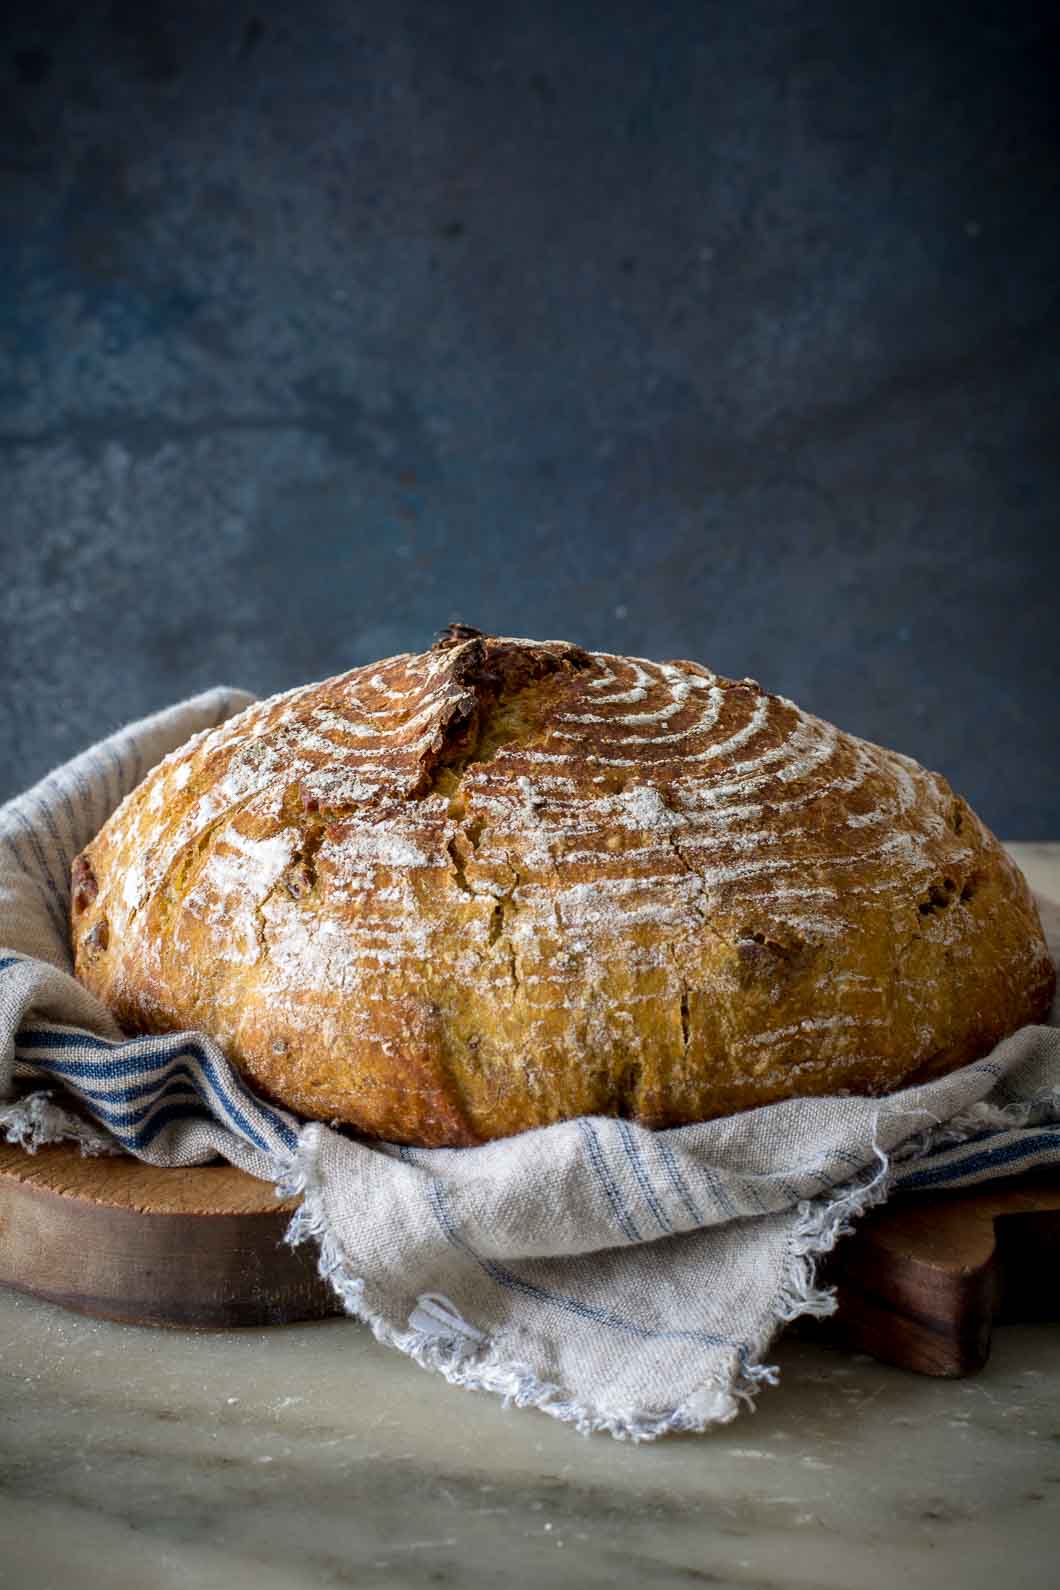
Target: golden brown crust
{"type": "Point", "coordinates": [455, 895]}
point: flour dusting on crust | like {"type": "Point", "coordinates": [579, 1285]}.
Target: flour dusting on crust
{"type": "Point", "coordinates": [459, 893]}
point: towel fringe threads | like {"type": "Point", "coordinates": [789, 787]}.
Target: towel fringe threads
{"type": "Point", "coordinates": [476, 1363]}
{"type": "Point", "coordinates": [34, 1121]}
{"type": "Point", "coordinates": [439, 1338]}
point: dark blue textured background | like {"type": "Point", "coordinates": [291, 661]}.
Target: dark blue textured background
{"type": "Point", "coordinates": [717, 331]}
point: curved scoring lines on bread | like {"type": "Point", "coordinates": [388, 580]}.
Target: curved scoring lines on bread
{"type": "Point", "coordinates": [451, 895]}
{"type": "Point", "coordinates": [687, 794]}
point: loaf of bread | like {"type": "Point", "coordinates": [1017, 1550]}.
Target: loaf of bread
{"type": "Point", "coordinates": [456, 895]}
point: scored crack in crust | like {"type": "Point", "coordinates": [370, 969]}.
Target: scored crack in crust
{"type": "Point", "coordinates": [452, 896]}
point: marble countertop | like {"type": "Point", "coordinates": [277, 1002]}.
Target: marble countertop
{"type": "Point", "coordinates": [312, 1456]}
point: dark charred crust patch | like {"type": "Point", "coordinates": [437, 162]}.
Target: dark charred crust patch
{"type": "Point", "coordinates": [455, 634]}
{"type": "Point", "coordinates": [298, 882]}
{"type": "Point", "coordinates": [486, 673]}
{"type": "Point", "coordinates": [97, 938]}
{"type": "Point", "coordinates": [301, 875]}
{"type": "Point", "coordinates": [752, 943]}
{"type": "Point", "coordinates": [940, 895]}
{"type": "Point", "coordinates": [769, 957]}
{"type": "Point", "coordinates": [84, 886]}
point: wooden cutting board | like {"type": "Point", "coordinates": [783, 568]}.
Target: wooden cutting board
{"type": "Point", "coordinates": [110, 1236]}
{"type": "Point", "coordinates": [920, 1283]}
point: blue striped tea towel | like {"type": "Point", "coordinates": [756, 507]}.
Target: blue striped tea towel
{"type": "Point", "coordinates": [621, 1279]}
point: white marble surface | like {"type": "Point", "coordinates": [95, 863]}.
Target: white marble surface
{"type": "Point", "coordinates": [1041, 865]}
{"type": "Point", "coordinates": [311, 1456]}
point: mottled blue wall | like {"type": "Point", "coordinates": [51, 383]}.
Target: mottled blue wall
{"type": "Point", "coordinates": [723, 331]}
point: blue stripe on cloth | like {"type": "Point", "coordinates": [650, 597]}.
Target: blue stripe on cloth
{"type": "Point", "coordinates": [90, 798]}
{"type": "Point", "coordinates": [10, 960]}
{"type": "Point", "coordinates": [1037, 1140]}
{"type": "Point", "coordinates": [436, 1195]}
{"type": "Point", "coordinates": [60, 896]}
{"type": "Point", "coordinates": [34, 1044]}
{"type": "Point", "coordinates": [124, 783]}
{"type": "Point", "coordinates": [607, 1180]}
{"type": "Point", "coordinates": [45, 872]}
{"type": "Point", "coordinates": [81, 1071]}
{"type": "Point", "coordinates": [132, 745]}
{"type": "Point", "coordinates": [57, 788]}
{"type": "Point", "coordinates": [629, 1143]}
{"type": "Point", "coordinates": [101, 1105]}
{"type": "Point", "coordinates": [109, 1069]}
{"type": "Point", "coordinates": [127, 1122]}
{"type": "Point", "coordinates": [44, 884]}
{"type": "Point", "coordinates": [718, 1190]}
{"type": "Point", "coordinates": [666, 1154]}
{"type": "Point", "coordinates": [162, 1052]}
{"type": "Point", "coordinates": [60, 845]}
{"type": "Point", "coordinates": [109, 773]}
{"type": "Point", "coordinates": [179, 1113]}
{"type": "Point", "coordinates": [118, 1070]}
{"type": "Point", "coordinates": [153, 1088]}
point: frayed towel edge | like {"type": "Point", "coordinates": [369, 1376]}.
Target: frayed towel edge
{"type": "Point", "coordinates": [465, 1358]}
{"type": "Point", "coordinates": [34, 1121]}
{"type": "Point", "coordinates": [478, 1366]}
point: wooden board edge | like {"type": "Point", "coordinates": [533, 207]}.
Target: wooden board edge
{"type": "Point", "coordinates": [175, 1270]}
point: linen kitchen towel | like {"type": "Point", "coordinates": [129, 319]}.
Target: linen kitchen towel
{"type": "Point", "coordinates": [624, 1280]}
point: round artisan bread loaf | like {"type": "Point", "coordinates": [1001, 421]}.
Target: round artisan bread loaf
{"type": "Point", "coordinates": [506, 882]}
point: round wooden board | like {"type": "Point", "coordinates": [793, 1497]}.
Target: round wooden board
{"type": "Point", "coordinates": [197, 1248]}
